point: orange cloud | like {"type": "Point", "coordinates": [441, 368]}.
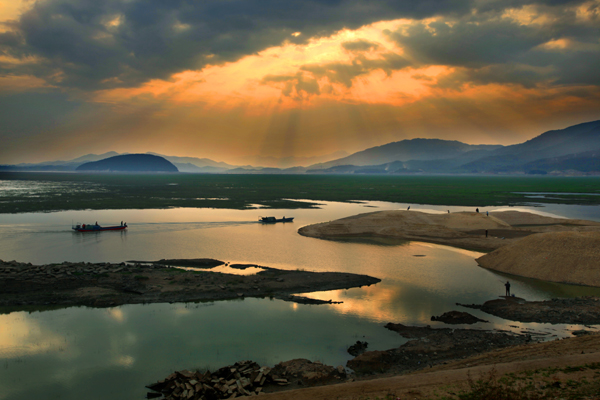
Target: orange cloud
{"type": "Point", "coordinates": [277, 76]}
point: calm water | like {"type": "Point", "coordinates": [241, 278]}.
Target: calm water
{"type": "Point", "coordinates": [80, 352]}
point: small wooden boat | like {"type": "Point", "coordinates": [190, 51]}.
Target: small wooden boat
{"type": "Point", "coordinates": [272, 220]}
{"type": "Point", "coordinates": [97, 228]}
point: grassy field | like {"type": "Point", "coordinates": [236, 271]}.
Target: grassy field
{"type": "Point", "coordinates": [31, 192]}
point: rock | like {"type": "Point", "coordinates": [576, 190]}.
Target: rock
{"type": "Point", "coordinates": [457, 317]}
{"type": "Point", "coordinates": [370, 361]}
{"type": "Point", "coordinates": [357, 348]}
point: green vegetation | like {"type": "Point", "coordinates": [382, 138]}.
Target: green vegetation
{"type": "Point", "coordinates": [35, 192]}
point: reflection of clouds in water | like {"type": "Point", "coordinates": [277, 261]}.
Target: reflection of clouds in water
{"type": "Point", "coordinates": [116, 314]}
{"type": "Point", "coordinates": [22, 336]}
{"type": "Point", "coordinates": [182, 310]}
{"type": "Point", "coordinates": [373, 303]}
{"type": "Point", "coordinates": [125, 361]}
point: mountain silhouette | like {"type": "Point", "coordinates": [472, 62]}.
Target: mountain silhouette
{"type": "Point", "coordinates": [130, 163]}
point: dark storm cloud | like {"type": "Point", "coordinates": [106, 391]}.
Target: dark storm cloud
{"type": "Point", "coordinates": [344, 73]}
{"type": "Point", "coordinates": [492, 48]}
{"type": "Point", "coordinates": [156, 38]}
{"type": "Point", "coordinates": [296, 86]}
{"type": "Point", "coordinates": [360, 45]}
{"type": "Point", "coordinates": [93, 44]}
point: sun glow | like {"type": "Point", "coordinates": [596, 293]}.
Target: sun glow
{"type": "Point", "coordinates": [351, 66]}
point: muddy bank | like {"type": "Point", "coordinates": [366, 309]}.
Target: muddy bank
{"type": "Point", "coordinates": [432, 346]}
{"type": "Point", "coordinates": [579, 310]}
{"type": "Point", "coordinates": [105, 284]}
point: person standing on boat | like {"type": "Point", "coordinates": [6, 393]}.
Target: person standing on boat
{"type": "Point", "coordinates": [507, 286]}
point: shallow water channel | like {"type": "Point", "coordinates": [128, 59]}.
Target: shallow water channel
{"type": "Point", "coordinates": [111, 353]}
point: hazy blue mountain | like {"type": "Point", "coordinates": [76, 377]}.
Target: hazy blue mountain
{"type": "Point", "coordinates": [406, 150]}
{"type": "Point", "coordinates": [74, 162]}
{"type": "Point", "coordinates": [130, 163]}
{"type": "Point", "coordinates": [198, 162]}
{"type": "Point", "coordinates": [191, 168]}
{"type": "Point", "coordinates": [557, 143]}
{"type": "Point", "coordinates": [588, 161]}
{"type": "Point", "coordinates": [288, 162]}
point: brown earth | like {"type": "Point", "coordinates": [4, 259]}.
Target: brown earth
{"type": "Point", "coordinates": [432, 346]}
{"type": "Point", "coordinates": [566, 257]}
{"type": "Point", "coordinates": [449, 378]}
{"type": "Point", "coordinates": [107, 284]}
{"type": "Point", "coordinates": [579, 310]}
{"type": "Point", "coordinates": [462, 229]}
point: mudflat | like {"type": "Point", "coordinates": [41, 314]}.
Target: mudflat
{"type": "Point", "coordinates": [105, 284]}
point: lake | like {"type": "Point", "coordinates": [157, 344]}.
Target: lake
{"type": "Point", "coordinates": [111, 353]}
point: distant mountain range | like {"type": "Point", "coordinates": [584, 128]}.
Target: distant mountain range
{"type": "Point", "coordinates": [571, 151]}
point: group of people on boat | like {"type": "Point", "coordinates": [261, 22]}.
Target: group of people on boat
{"type": "Point", "coordinates": [97, 227]}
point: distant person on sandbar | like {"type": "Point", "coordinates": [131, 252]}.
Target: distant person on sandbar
{"type": "Point", "coordinates": [408, 208]}
{"type": "Point", "coordinates": [507, 286]}
{"type": "Point", "coordinates": [487, 214]}
{"type": "Point", "coordinates": [477, 210]}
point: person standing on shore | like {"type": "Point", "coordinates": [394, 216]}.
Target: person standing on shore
{"type": "Point", "coordinates": [507, 286]}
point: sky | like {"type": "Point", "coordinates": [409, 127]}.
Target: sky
{"type": "Point", "coordinates": [232, 80]}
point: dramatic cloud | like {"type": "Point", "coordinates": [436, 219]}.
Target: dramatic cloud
{"type": "Point", "coordinates": [92, 44]}
{"type": "Point", "coordinates": [229, 78]}
{"type": "Point", "coordinates": [527, 45]}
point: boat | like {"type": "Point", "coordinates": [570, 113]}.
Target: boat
{"type": "Point", "coordinates": [97, 228]}
{"type": "Point", "coordinates": [272, 220]}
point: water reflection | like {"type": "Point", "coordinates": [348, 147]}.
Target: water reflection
{"type": "Point", "coordinates": [78, 352]}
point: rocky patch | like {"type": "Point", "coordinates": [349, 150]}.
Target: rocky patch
{"type": "Point", "coordinates": [244, 378]}
{"type": "Point", "coordinates": [457, 317]}
{"type": "Point", "coordinates": [579, 310]}
{"type": "Point", "coordinates": [358, 348]}
{"type": "Point", "coordinates": [431, 347]}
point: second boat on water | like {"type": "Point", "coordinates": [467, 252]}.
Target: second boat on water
{"type": "Point", "coordinates": [272, 220]}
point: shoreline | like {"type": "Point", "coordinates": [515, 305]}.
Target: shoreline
{"type": "Point", "coordinates": [108, 285]}
{"type": "Point", "coordinates": [467, 230]}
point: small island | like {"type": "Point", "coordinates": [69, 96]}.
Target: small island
{"type": "Point", "coordinates": [129, 163]}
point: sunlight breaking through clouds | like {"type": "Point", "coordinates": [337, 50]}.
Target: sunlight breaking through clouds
{"type": "Point", "coordinates": [225, 81]}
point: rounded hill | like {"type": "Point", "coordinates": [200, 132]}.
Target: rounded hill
{"type": "Point", "coordinates": [130, 163]}
{"type": "Point", "coordinates": [566, 257]}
